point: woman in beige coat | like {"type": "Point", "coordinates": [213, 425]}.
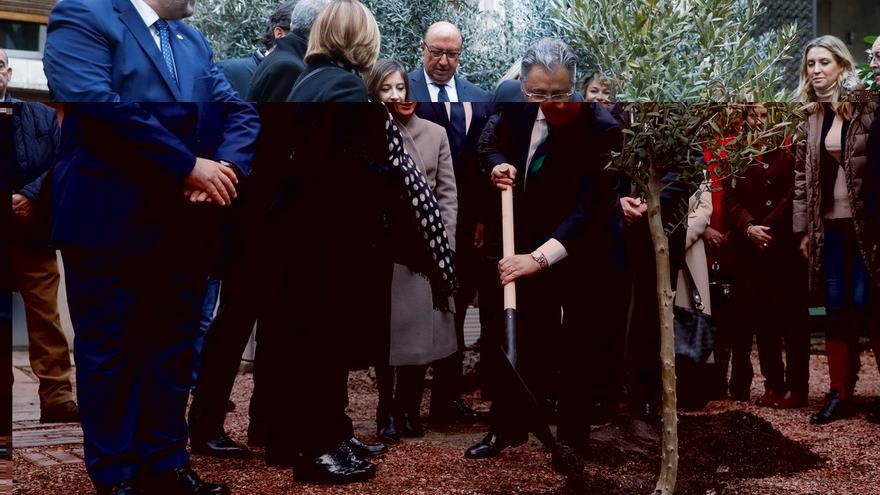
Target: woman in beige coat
{"type": "Point", "coordinates": [831, 189]}
{"type": "Point", "coordinates": [700, 208]}
{"type": "Point", "coordinates": [419, 333]}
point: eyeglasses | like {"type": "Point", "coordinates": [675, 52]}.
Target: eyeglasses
{"type": "Point", "coordinates": [437, 53]}
{"type": "Point", "coordinates": [549, 97]}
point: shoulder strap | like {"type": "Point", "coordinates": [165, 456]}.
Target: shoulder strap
{"type": "Point", "coordinates": [696, 299]}
{"type": "Point", "coordinates": [309, 76]}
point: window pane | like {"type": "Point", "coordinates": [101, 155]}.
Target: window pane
{"type": "Point", "coordinates": [17, 35]}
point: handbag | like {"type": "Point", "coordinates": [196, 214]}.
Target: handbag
{"type": "Point", "coordinates": [694, 329]}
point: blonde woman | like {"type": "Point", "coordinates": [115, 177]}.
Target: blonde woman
{"type": "Point", "coordinates": [831, 186]}
{"type": "Point", "coordinates": [343, 45]}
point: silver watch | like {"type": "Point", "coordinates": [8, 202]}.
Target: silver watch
{"type": "Point", "coordinates": [539, 258]}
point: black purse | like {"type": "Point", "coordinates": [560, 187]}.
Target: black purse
{"type": "Point", "coordinates": [694, 330]}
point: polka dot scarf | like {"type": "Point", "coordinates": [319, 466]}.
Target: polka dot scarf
{"type": "Point", "coordinates": [440, 271]}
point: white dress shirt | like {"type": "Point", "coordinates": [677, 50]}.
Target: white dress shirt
{"type": "Point", "coordinates": [434, 88]}
{"type": "Point", "coordinates": [553, 250]}
{"type": "Point", "coordinates": [150, 17]}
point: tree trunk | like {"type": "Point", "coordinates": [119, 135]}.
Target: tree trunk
{"type": "Point", "coordinates": [669, 443]}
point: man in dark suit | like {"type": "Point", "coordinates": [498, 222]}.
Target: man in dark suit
{"type": "Point", "coordinates": [436, 80]}
{"type": "Point", "coordinates": [275, 77]}
{"type": "Point", "coordinates": [568, 219]}
{"type": "Point", "coordinates": [135, 213]}
{"type": "Point", "coordinates": [240, 71]}
{"type": "Point", "coordinates": [463, 116]}
{"type": "Point", "coordinates": [130, 50]}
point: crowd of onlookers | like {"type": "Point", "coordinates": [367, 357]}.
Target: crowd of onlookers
{"type": "Point", "coordinates": [359, 235]}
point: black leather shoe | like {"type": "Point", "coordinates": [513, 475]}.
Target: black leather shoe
{"type": "Point", "coordinates": [181, 481]}
{"type": "Point", "coordinates": [330, 468]}
{"type": "Point", "coordinates": [835, 408]}
{"type": "Point", "coordinates": [67, 412]}
{"type": "Point", "coordinates": [364, 449]}
{"type": "Point", "coordinates": [354, 458]}
{"type": "Point", "coordinates": [386, 429]}
{"type": "Point", "coordinates": [122, 488]}
{"type": "Point", "coordinates": [411, 426]}
{"type": "Point", "coordinates": [874, 412]}
{"type": "Point", "coordinates": [218, 446]}
{"type": "Point", "coordinates": [492, 445]}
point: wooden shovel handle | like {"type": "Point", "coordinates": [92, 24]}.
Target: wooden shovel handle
{"type": "Point", "coordinates": [507, 242]}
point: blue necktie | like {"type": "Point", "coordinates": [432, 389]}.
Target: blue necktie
{"type": "Point", "coordinates": [459, 126]}
{"type": "Point", "coordinates": [165, 42]}
{"type": "Point", "coordinates": [442, 96]}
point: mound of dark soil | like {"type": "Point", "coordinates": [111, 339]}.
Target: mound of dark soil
{"type": "Point", "coordinates": [715, 452]}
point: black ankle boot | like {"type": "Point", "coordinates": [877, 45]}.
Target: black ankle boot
{"type": "Point", "coordinates": [411, 425]}
{"type": "Point", "coordinates": [835, 408]}
{"type": "Point", "coordinates": [386, 428]}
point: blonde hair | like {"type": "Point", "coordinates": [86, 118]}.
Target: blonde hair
{"type": "Point", "coordinates": [345, 29]}
{"type": "Point", "coordinates": [843, 57]}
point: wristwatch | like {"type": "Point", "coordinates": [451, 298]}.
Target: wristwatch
{"type": "Point", "coordinates": [539, 258]}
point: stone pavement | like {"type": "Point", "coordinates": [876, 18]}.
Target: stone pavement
{"type": "Point", "coordinates": [27, 431]}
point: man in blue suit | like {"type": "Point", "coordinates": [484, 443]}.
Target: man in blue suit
{"type": "Point", "coordinates": [436, 80]}
{"type": "Point", "coordinates": [137, 193]}
{"type": "Point", "coordinates": [129, 50]}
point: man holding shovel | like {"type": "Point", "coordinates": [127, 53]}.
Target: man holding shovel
{"type": "Point", "coordinates": [569, 231]}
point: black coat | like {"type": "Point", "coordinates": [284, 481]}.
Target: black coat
{"type": "Point", "coordinates": [35, 140]}
{"type": "Point", "coordinates": [332, 217]}
{"type": "Point", "coordinates": [323, 81]}
{"type": "Point", "coordinates": [239, 71]}
{"type": "Point", "coordinates": [872, 203]}
{"type": "Point", "coordinates": [276, 74]}
{"type": "Point", "coordinates": [572, 199]}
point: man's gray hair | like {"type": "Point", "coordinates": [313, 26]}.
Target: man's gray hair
{"type": "Point", "coordinates": [304, 14]}
{"type": "Point", "coordinates": [549, 54]}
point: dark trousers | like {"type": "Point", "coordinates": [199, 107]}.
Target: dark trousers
{"type": "Point", "coordinates": [221, 355]}
{"type": "Point", "coordinates": [306, 412]}
{"type": "Point", "coordinates": [643, 342]}
{"type": "Point", "coordinates": [135, 320]}
{"type": "Point", "coordinates": [771, 304]}
{"type": "Point", "coordinates": [552, 344]}
{"type": "Point", "coordinates": [446, 385]}
{"type": "Point", "coordinates": [491, 327]}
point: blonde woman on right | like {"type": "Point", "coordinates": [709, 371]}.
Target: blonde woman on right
{"type": "Point", "coordinates": [837, 238]}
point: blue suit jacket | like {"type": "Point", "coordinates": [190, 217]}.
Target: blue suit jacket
{"type": "Point", "coordinates": [118, 184]}
{"type": "Point", "coordinates": [418, 88]}
{"type": "Point", "coordinates": [101, 50]}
